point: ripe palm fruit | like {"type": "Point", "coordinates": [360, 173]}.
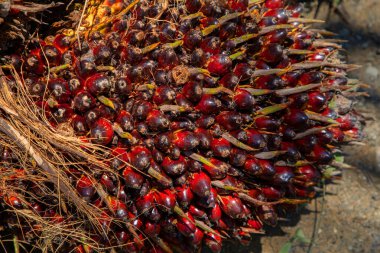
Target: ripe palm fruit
{"type": "Point", "coordinates": [215, 113]}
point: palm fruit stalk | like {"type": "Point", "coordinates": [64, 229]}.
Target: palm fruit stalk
{"type": "Point", "coordinates": [170, 125]}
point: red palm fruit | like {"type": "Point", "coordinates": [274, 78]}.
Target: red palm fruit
{"type": "Point", "coordinates": [303, 192]}
{"type": "Point", "coordinates": [61, 42]}
{"type": "Point", "coordinates": [168, 32]}
{"type": "Point", "coordinates": [228, 31]}
{"type": "Point", "coordinates": [184, 196]}
{"type": "Point", "coordinates": [192, 39]}
{"type": "Point", "coordinates": [237, 157]}
{"type": "Point", "coordinates": [51, 54]}
{"type": "Point", "coordinates": [204, 137]}
{"type": "Point", "coordinates": [272, 53]}
{"type": "Point", "coordinates": [212, 45]}
{"type": "Point", "coordinates": [174, 167]}
{"type": "Point", "coordinates": [193, 6]}
{"type": "Point", "coordinates": [83, 101]}
{"type": "Point", "coordinates": [167, 58]}
{"type": "Point", "coordinates": [162, 141]}
{"type": "Point", "coordinates": [346, 122]}
{"type": "Point", "coordinates": [151, 229]}
{"type": "Point", "coordinates": [141, 109]}
{"type": "Point", "coordinates": [59, 88]}
{"type": "Point", "coordinates": [267, 214]}
{"type": "Point", "coordinates": [215, 213]}
{"type": "Point", "coordinates": [229, 120]}
{"type": "Point", "coordinates": [308, 173]}
{"type": "Point", "coordinates": [325, 136]}
{"type": "Point", "coordinates": [205, 121]}
{"type": "Point", "coordinates": [185, 125]}
{"type": "Point", "coordinates": [232, 206]}
{"type": "Point", "coordinates": [218, 169]}
{"type": "Point", "coordinates": [255, 139]}
{"type": "Point", "coordinates": [184, 140]}
{"type": "Point", "coordinates": [163, 95]}
{"type": "Point", "coordinates": [244, 100]}
{"type": "Point", "coordinates": [317, 101]}
{"type": "Point", "coordinates": [251, 167]}
{"type": "Point", "coordinates": [117, 207]}
{"type": "Point", "coordinates": [122, 237]}
{"type": "Point", "coordinates": [271, 82]}
{"type": "Point", "coordinates": [238, 5]}
{"type": "Point", "coordinates": [267, 123]}
{"type": "Point", "coordinates": [292, 152]}
{"type": "Point", "coordinates": [53, 216]}
{"type": "Point", "coordinates": [274, 4]}
{"type": "Point", "coordinates": [208, 201]}
{"type": "Point", "coordinates": [102, 132]}
{"type": "Point", "coordinates": [145, 203]}
{"type": "Point", "coordinates": [299, 101]}
{"type": "Point", "coordinates": [306, 144]}
{"type": "Point", "coordinates": [192, 90]}
{"type": "Point", "coordinates": [255, 224]}
{"type": "Point", "coordinates": [221, 147]}
{"type": "Point", "coordinates": [118, 158]}
{"type": "Point", "coordinates": [12, 200]}
{"type": "Point", "coordinates": [132, 178]}
{"type": "Point", "coordinates": [277, 36]}
{"type": "Point", "coordinates": [197, 212]}
{"type": "Point", "coordinates": [197, 237]}
{"type": "Point", "coordinates": [272, 193]}
{"type": "Point", "coordinates": [244, 71]}
{"type": "Point", "coordinates": [85, 187]}
{"type": "Point", "coordinates": [166, 200]}
{"type": "Point", "coordinates": [140, 157]}
{"type": "Point", "coordinates": [186, 225]}
{"type": "Point", "coordinates": [209, 104]}
{"type": "Point", "coordinates": [330, 113]}
{"type": "Point", "coordinates": [296, 118]}
{"type": "Point", "coordinates": [157, 121]}
{"type": "Point", "coordinates": [123, 86]}
{"type": "Point", "coordinates": [34, 63]}
{"type": "Point", "coordinates": [200, 184]}
{"type": "Point", "coordinates": [109, 181]}
{"type": "Point", "coordinates": [75, 85]}
{"type": "Point", "coordinates": [321, 155]}
{"type": "Point", "coordinates": [291, 78]}
{"type": "Point", "coordinates": [283, 175]}
{"type": "Point", "coordinates": [213, 242]}
{"type": "Point", "coordinates": [310, 77]}
{"type": "Point", "coordinates": [125, 120]}
{"type": "Point", "coordinates": [338, 135]}
{"type": "Point", "coordinates": [79, 125]}
{"type": "Point", "coordinates": [98, 84]}
{"type": "Point", "coordinates": [62, 113]}
{"type": "Point", "coordinates": [219, 64]}
{"type": "Point", "coordinates": [38, 208]}
{"type": "Point", "coordinates": [280, 15]}
{"type": "Point", "coordinates": [229, 80]}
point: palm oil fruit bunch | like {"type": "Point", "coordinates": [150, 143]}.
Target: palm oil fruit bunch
{"type": "Point", "coordinates": [218, 116]}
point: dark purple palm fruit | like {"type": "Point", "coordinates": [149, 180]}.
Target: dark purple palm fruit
{"type": "Point", "coordinates": [83, 101]}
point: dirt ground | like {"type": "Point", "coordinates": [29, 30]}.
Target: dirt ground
{"type": "Point", "coordinates": [347, 219]}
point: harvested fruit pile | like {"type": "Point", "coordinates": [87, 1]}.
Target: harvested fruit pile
{"type": "Point", "coordinates": [168, 125]}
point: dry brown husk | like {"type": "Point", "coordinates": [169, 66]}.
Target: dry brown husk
{"type": "Point", "coordinates": [45, 153]}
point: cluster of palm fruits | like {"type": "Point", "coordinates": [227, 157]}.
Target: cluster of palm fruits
{"type": "Point", "coordinates": [217, 116]}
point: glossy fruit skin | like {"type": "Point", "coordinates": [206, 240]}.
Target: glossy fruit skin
{"type": "Point", "coordinates": [200, 112]}
{"type": "Point", "coordinates": [102, 132]}
{"type": "Point", "coordinates": [219, 64]}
